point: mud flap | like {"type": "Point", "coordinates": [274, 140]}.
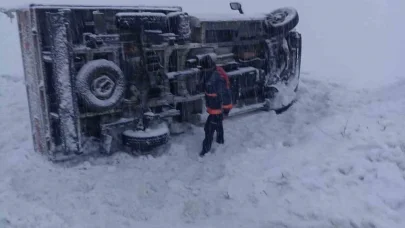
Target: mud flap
{"type": "Point", "coordinates": [63, 68]}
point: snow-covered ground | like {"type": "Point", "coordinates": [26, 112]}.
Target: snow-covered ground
{"type": "Point", "coordinates": [335, 159]}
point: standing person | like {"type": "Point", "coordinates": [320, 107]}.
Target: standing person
{"type": "Point", "coordinates": [218, 101]}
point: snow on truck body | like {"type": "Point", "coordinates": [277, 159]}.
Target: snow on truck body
{"type": "Point", "coordinates": [127, 77]}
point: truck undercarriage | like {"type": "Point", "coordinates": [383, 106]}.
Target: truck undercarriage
{"type": "Point", "coordinates": [129, 77]}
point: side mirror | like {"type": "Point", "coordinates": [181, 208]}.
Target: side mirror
{"type": "Point", "coordinates": [236, 6]}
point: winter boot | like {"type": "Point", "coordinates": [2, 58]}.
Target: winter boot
{"type": "Point", "coordinates": [202, 153]}
{"type": "Point", "coordinates": [220, 140]}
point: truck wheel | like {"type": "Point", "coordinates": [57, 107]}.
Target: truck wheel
{"type": "Point", "coordinates": [147, 140]}
{"type": "Point", "coordinates": [100, 85]}
{"type": "Point", "coordinates": [281, 21]}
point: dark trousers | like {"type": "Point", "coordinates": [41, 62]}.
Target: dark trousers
{"type": "Point", "coordinates": [213, 124]}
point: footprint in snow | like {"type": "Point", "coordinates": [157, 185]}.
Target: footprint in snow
{"type": "Point", "coordinates": [4, 222]}
{"type": "Point", "coordinates": [345, 169]}
{"type": "Point", "coordinates": [288, 143]}
{"type": "Point", "coordinates": [365, 147]}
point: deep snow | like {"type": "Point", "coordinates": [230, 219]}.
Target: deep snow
{"type": "Point", "coordinates": [335, 159]}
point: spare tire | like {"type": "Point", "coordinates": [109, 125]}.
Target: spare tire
{"type": "Point", "coordinates": [100, 85]}
{"type": "Point", "coordinates": [147, 140]}
{"type": "Point", "coordinates": [281, 21]}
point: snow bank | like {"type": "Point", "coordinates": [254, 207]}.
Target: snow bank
{"type": "Point", "coordinates": [336, 158]}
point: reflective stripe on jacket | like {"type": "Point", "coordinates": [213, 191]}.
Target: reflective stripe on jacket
{"type": "Point", "coordinates": [218, 92]}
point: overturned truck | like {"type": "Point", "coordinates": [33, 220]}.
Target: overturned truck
{"type": "Point", "coordinates": [128, 77]}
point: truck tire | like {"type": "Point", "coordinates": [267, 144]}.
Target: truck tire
{"type": "Point", "coordinates": [145, 141]}
{"type": "Point", "coordinates": [281, 21]}
{"type": "Point", "coordinates": [100, 85]}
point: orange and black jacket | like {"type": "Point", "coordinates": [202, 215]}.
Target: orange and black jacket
{"type": "Point", "coordinates": [218, 93]}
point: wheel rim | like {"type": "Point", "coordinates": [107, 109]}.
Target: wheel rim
{"type": "Point", "coordinates": [103, 87]}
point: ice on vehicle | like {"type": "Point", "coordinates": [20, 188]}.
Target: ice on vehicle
{"type": "Point", "coordinates": [213, 17]}
{"type": "Point", "coordinates": [160, 129]}
{"type": "Point", "coordinates": [129, 14]}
